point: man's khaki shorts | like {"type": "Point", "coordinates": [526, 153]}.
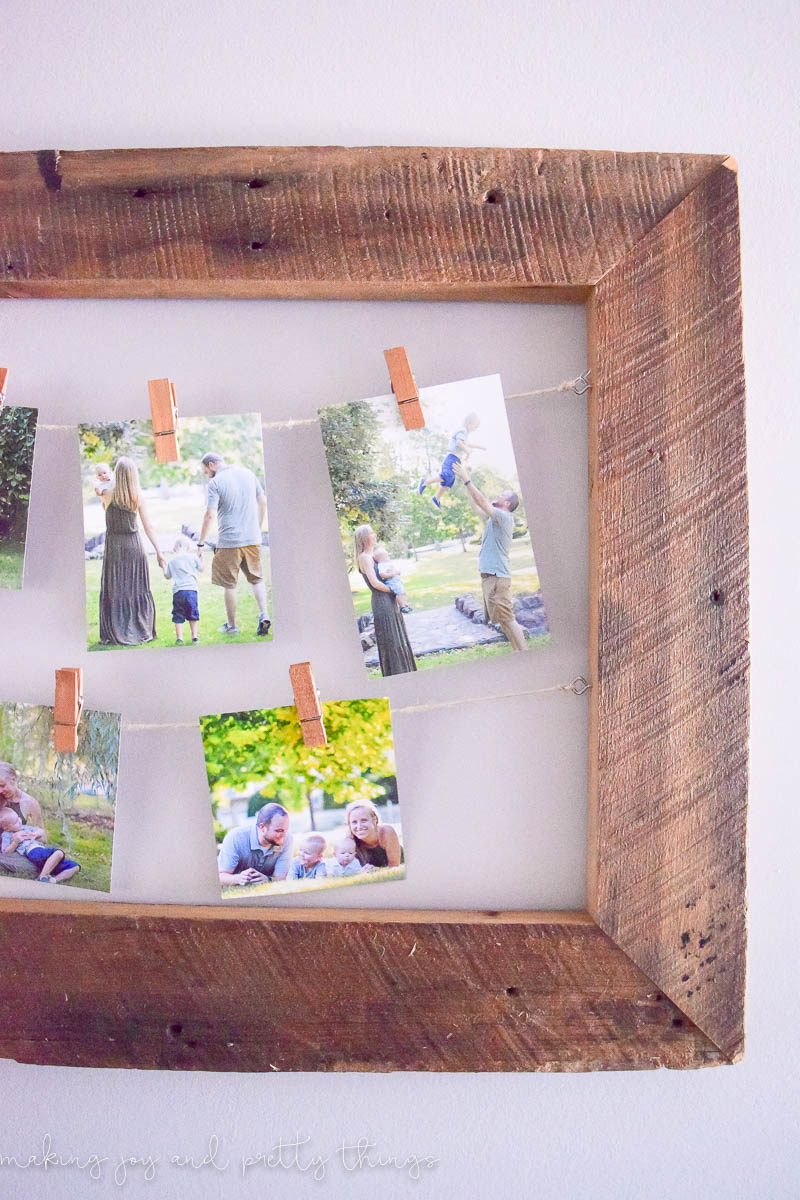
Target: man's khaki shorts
{"type": "Point", "coordinates": [497, 603]}
{"type": "Point", "coordinates": [228, 561]}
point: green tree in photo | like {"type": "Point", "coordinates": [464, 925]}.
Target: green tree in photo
{"type": "Point", "coordinates": [236, 437]}
{"type": "Point", "coordinates": [422, 523]}
{"type": "Point", "coordinates": [459, 519]}
{"type": "Point", "coordinates": [17, 436]}
{"type": "Point", "coordinates": [107, 441]}
{"type": "Point", "coordinates": [67, 785]}
{"type": "Point", "coordinates": [353, 443]}
{"type": "Point", "coordinates": [266, 747]}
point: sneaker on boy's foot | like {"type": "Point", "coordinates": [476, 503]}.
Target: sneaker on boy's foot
{"type": "Point", "coordinates": [263, 626]}
{"type": "Point", "coordinates": [438, 503]}
{"type": "Point", "coordinates": [422, 485]}
{"type": "Point", "coordinates": [45, 879]}
{"type": "Point", "coordinates": [179, 642]}
{"type": "Point", "coordinates": [226, 628]}
{"type": "Point", "coordinates": [196, 639]}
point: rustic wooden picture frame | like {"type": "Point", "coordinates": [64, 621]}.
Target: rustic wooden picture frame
{"type": "Point", "coordinates": [653, 973]}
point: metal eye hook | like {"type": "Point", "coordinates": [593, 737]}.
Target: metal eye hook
{"type": "Point", "coordinates": [580, 686]}
{"type": "Point", "coordinates": [582, 384]}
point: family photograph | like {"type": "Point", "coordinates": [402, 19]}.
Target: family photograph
{"type": "Point", "coordinates": [176, 554]}
{"type": "Point", "coordinates": [435, 535]}
{"type": "Point", "coordinates": [57, 810]}
{"type": "Point", "coordinates": [17, 437]}
{"type": "Point", "coordinates": [292, 818]}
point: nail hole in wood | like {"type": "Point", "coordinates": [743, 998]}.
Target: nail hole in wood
{"type": "Point", "coordinates": [512, 991]}
{"type": "Point", "coordinates": [140, 192]}
{"type": "Point", "coordinates": [388, 214]}
{"type": "Point", "coordinates": [256, 245]}
{"type": "Point", "coordinates": [10, 267]}
{"type": "Point", "coordinates": [494, 197]}
{"type": "Point", "coordinates": [677, 1022]}
{"type": "Point", "coordinates": [257, 183]}
{"type": "Point", "coordinates": [716, 596]}
{"type": "Point", "coordinates": [174, 1031]}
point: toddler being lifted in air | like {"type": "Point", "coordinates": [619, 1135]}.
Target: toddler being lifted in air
{"type": "Point", "coordinates": [457, 452]}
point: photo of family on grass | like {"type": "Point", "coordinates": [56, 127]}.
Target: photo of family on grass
{"type": "Point", "coordinates": [17, 437]}
{"type": "Point", "coordinates": [292, 818]}
{"type": "Point", "coordinates": [176, 554]}
{"type": "Point", "coordinates": [434, 531]}
{"type": "Point", "coordinates": [57, 810]}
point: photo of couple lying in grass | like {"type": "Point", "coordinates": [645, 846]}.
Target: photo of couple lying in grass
{"type": "Point", "coordinates": [290, 817]}
{"type": "Point", "coordinates": [434, 531]}
{"type": "Point", "coordinates": [177, 554]}
{"type": "Point", "coordinates": [57, 810]}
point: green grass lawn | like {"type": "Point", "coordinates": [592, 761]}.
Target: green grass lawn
{"type": "Point", "coordinates": [12, 556]}
{"type": "Point", "coordinates": [439, 576]}
{"type": "Point", "coordinates": [474, 653]}
{"type": "Point", "coordinates": [285, 888]}
{"type": "Point", "coordinates": [88, 845]}
{"type": "Point", "coordinates": [210, 599]}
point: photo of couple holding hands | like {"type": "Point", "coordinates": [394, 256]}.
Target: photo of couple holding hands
{"type": "Point", "coordinates": [211, 505]}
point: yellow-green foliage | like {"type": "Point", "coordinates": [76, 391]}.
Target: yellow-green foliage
{"type": "Point", "coordinates": [266, 747]}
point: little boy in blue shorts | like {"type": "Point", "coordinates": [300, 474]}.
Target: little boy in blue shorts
{"type": "Point", "coordinates": [458, 450]}
{"type": "Point", "coordinates": [182, 569]}
{"type": "Point", "coordinates": [51, 861]}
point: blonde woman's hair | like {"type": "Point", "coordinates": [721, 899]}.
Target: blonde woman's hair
{"type": "Point", "coordinates": [126, 492]}
{"type": "Point", "coordinates": [361, 538]}
{"type": "Point", "coordinates": [9, 772]}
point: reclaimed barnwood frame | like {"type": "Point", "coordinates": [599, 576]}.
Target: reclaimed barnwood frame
{"type": "Point", "coordinates": [653, 972]}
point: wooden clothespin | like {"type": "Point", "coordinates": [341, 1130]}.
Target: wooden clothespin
{"type": "Point", "coordinates": [3, 380]}
{"type": "Point", "coordinates": [164, 410]}
{"type": "Point", "coordinates": [67, 712]}
{"type": "Point", "coordinates": [404, 388]}
{"type": "Point", "coordinates": [309, 709]}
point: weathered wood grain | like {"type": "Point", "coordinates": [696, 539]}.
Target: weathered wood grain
{"type": "Point", "coordinates": [669, 604]}
{"type": "Point", "coordinates": [328, 221]}
{"type": "Point", "coordinates": [652, 241]}
{"type": "Point", "coordinates": [111, 989]}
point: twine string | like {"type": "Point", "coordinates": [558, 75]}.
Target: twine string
{"type": "Point", "coordinates": [580, 385]}
{"type": "Point", "coordinates": [578, 687]}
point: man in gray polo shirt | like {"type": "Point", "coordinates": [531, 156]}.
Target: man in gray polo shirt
{"type": "Point", "coordinates": [237, 500]}
{"type": "Point", "coordinates": [493, 561]}
{"type": "Point", "coordinates": [259, 850]}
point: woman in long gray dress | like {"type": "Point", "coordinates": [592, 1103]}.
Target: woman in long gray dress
{"type": "Point", "coordinates": [395, 655]}
{"type": "Point", "coordinates": [127, 611]}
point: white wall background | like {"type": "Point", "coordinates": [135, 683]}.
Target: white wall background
{"type": "Point", "coordinates": [627, 76]}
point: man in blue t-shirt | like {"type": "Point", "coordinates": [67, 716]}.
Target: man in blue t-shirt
{"type": "Point", "coordinates": [259, 850]}
{"type": "Point", "coordinates": [493, 561]}
{"type": "Point", "coordinates": [237, 500]}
